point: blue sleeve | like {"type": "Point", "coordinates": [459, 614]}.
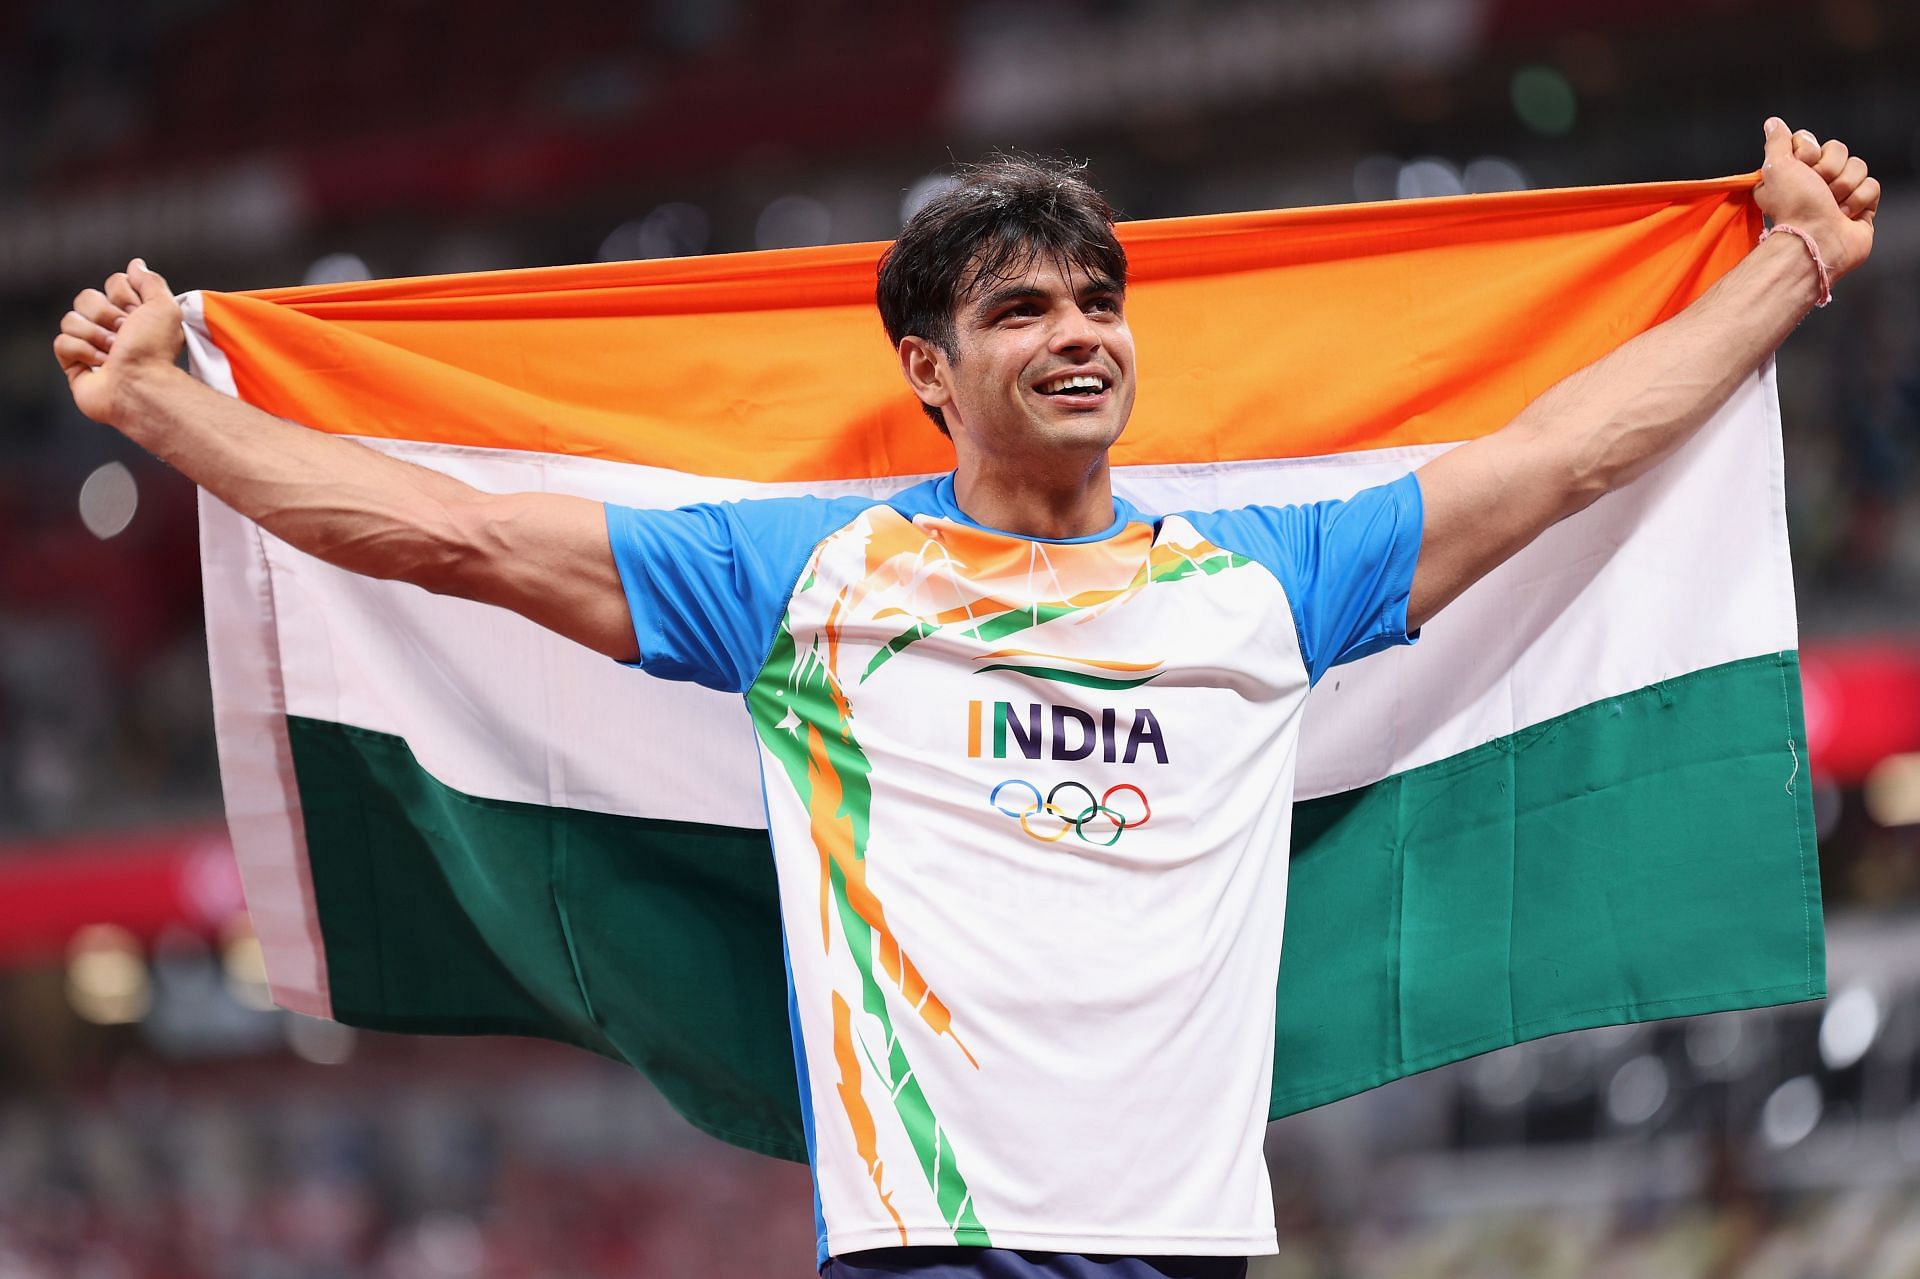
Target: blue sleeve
{"type": "Point", "coordinates": [1347, 567]}
{"type": "Point", "coordinates": [708, 584]}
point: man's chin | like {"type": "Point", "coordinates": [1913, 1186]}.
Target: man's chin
{"type": "Point", "coordinates": [1079, 428]}
{"type": "Point", "coordinates": [1090, 434]}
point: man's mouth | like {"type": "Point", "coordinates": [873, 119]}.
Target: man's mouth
{"type": "Point", "coordinates": [1074, 386]}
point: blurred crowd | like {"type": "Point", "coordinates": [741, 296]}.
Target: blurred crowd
{"type": "Point", "coordinates": [512, 1163]}
{"type": "Point", "coordinates": [325, 1153]}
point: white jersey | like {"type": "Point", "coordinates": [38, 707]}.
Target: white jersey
{"type": "Point", "coordinates": [1029, 802]}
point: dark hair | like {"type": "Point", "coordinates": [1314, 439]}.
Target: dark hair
{"type": "Point", "coordinates": [992, 224]}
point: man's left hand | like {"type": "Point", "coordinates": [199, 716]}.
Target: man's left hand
{"type": "Point", "coordinates": [1821, 189]}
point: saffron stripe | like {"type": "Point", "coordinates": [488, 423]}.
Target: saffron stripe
{"type": "Point", "coordinates": [492, 359]}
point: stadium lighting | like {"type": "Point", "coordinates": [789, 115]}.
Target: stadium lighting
{"type": "Point", "coordinates": [1504, 1079]}
{"type": "Point", "coordinates": [675, 230]}
{"type": "Point", "coordinates": [108, 499]}
{"type": "Point", "coordinates": [621, 245]}
{"type": "Point", "coordinates": [1892, 791]}
{"type": "Point", "coordinates": [1718, 1046]}
{"type": "Point", "coordinates": [792, 221]}
{"type": "Point", "coordinates": [337, 268]}
{"type": "Point", "coordinates": [107, 979]}
{"type": "Point", "coordinates": [1493, 173]}
{"type": "Point", "coordinates": [1544, 100]}
{"type": "Point", "coordinates": [450, 1245]}
{"type": "Point", "coordinates": [924, 192]}
{"type": "Point", "coordinates": [1848, 1027]}
{"type": "Point", "coordinates": [245, 965]}
{"type": "Point", "coordinates": [1637, 1091]}
{"type": "Point", "coordinates": [1374, 178]}
{"type": "Point", "coordinates": [1791, 1112]}
{"type": "Point", "coordinates": [1427, 176]}
{"type": "Point", "coordinates": [324, 1043]}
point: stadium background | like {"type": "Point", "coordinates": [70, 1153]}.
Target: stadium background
{"type": "Point", "coordinates": [157, 1119]}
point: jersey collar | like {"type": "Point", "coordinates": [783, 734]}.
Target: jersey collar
{"type": "Point", "coordinates": [949, 509]}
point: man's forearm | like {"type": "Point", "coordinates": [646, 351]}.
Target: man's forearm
{"type": "Point", "coordinates": [543, 555]}
{"type": "Point", "coordinates": [330, 497]}
{"type": "Point", "coordinates": [1621, 414]}
{"type": "Point", "coordinates": [1598, 428]}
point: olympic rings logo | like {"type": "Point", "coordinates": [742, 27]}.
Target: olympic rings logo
{"type": "Point", "coordinates": [1071, 818]}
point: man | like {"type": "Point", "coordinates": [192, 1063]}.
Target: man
{"type": "Point", "coordinates": [1022, 974]}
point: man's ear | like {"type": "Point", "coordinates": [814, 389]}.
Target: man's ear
{"type": "Point", "coordinates": [927, 370]}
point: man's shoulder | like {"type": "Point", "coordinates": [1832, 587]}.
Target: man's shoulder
{"type": "Point", "coordinates": [768, 521]}
{"type": "Point", "coordinates": [922, 497]}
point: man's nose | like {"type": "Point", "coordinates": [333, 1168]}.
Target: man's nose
{"type": "Point", "coordinates": [1075, 331]}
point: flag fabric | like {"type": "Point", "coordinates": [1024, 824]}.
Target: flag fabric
{"type": "Point", "coordinates": [1581, 800]}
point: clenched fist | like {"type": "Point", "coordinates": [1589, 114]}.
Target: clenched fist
{"type": "Point", "coordinates": [115, 335]}
{"type": "Point", "coordinates": [1823, 191]}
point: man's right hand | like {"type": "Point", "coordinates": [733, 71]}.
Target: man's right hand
{"type": "Point", "coordinates": [114, 336]}
{"type": "Point", "coordinates": [542, 555]}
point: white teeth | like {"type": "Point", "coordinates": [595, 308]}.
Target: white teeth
{"type": "Point", "coordinates": [1080, 381]}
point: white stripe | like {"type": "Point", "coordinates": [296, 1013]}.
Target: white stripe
{"type": "Point", "coordinates": [1684, 569]}
{"type": "Point", "coordinates": [256, 763]}
{"type": "Point", "coordinates": [497, 707]}
{"type": "Point", "coordinates": [207, 361]}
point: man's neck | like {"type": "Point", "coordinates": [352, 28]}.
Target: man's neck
{"type": "Point", "coordinates": [1045, 501]}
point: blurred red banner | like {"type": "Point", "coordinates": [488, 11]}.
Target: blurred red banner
{"type": "Point", "coordinates": [1863, 704]}
{"type": "Point", "coordinates": [141, 881]}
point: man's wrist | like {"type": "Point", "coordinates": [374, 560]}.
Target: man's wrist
{"type": "Point", "coordinates": [145, 388]}
{"type": "Point", "coordinates": [1791, 263]}
{"type": "Point", "coordinates": [1827, 232]}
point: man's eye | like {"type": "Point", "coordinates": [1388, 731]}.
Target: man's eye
{"type": "Point", "coordinates": [1108, 304]}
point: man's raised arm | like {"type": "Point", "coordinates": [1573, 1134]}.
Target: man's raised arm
{"type": "Point", "coordinates": [542, 555]}
{"type": "Point", "coordinates": [1609, 422]}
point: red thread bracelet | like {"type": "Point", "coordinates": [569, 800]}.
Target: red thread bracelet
{"type": "Point", "coordinates": [1819, 263]}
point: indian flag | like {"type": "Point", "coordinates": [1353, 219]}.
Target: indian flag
{"type": "Point", "coordinates": [1580, 800]}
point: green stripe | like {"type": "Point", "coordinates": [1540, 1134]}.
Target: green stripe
{"type": "Point", "coordinates": [440, 915]}
{"type": "Point", "coordinates": [912, 635]}
{"type": "Point", "coordinates": [1646, 856]}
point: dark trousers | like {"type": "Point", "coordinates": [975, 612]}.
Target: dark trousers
{"type": "Point", "coordinates": [1007, 1263]}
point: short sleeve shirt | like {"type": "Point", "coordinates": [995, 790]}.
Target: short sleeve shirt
{"type": "Point", "coordinates": [1029, 802]}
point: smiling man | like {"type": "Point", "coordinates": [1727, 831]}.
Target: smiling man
{"type": "Point", "coordinates": [1028, 752]}
{"type": "Point", "coordinates": [1019, 269]}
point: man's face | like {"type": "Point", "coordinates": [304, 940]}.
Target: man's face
{"type": "Point", "coordinates": [1043, 365]}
